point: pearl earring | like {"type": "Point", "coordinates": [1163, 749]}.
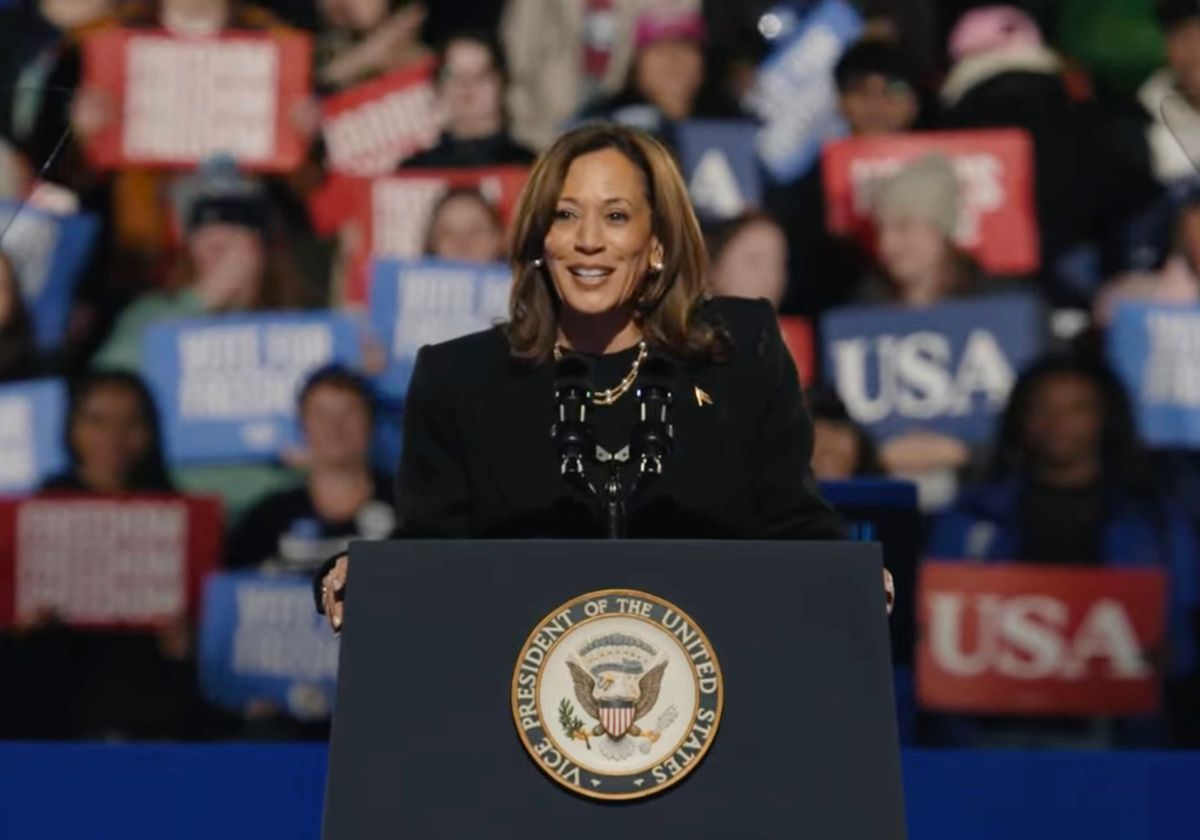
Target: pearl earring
{"type": "Point", "coordinates": [539, 263]}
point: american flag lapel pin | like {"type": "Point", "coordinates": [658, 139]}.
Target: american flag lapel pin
{"type": "Point", "coordinates": [702, 397]}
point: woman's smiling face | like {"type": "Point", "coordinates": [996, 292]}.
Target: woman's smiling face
{"type": "Point", "coordinates": [601, 243]}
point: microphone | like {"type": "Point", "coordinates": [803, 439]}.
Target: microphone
{"type": "Point", "coordinates": [653, 436]}
{"type": "Point", "coordinates": [574, 438]}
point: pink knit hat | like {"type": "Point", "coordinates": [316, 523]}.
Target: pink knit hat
{"type": "Point", "coordinates": [669, 25]}
{"type": "Point", "coordinates": [992, 27]}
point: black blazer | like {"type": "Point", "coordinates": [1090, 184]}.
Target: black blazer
{"type": "Point", "coordinates": [478, 459]}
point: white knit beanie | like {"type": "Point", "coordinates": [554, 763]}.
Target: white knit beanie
{"type": "Point", "coordinates": [925, 188]}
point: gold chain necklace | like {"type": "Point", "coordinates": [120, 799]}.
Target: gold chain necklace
{"type": "Point", "coordinates": [617, 391]}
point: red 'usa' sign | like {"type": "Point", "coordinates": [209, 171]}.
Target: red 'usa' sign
{"type": "Point", "coordinates": [181, 100]}
{"type": "Point", "coordinates": [133, 561]}
{"type": "Point", "coordinates": [1028, 640]}
{"type": "Point", "coordinates": [997, 218]}
{"type": "Point", "coordinates": [371, 128]}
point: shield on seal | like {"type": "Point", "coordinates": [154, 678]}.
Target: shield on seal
{"type": "Point", "coordinates": [616, 717]}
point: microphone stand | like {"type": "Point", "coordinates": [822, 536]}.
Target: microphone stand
{"type": "Point", "coordinates": [575, 441]}
{"type": "Point", "coordinates": [614, 502]}
{"type": "Point", "coordinates": [610, 497]}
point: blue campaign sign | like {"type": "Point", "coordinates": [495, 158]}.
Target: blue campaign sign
{"type": "Point", "coordinates": [48, 252]}
{"type": "Point", "coordinates": [418, 302]}
{"type": "Point", "coordinates": [720, 162]}
{"type": "Point", "coordinates": [795, 95]}
{"type": "Point", "coordinates": [1154, 349]}
{"type": "Point", "coordinates": [32, 415]}
{"type": "Point", "coordinates": [261, 640]}
{"type": "Point", "coordinates": [945, 369]}
{"type": "Point", "coordinates": [226, 385]}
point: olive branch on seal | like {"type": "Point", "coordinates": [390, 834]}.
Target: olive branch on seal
{"type": "Point", "coordinates": [574, 726]}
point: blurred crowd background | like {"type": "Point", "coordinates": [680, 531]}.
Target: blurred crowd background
{"type": "Point", "coordinates": [1106, 91]}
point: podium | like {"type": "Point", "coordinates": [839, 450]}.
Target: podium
{"type": "Point", "coordinates": [740, 689]}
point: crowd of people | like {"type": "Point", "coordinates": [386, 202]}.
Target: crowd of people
{"type": "Point", "coordinates": [1065, 479]}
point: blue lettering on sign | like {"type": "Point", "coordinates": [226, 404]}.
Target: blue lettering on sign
{"type": "Point", "coordinates": [946, 369]}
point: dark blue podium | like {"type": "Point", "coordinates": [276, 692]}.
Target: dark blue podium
{"type": "Point", "coordinates": [424, 744]}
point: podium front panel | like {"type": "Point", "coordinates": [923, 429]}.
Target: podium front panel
{"type": "Point", "coordinates": [424, 743]}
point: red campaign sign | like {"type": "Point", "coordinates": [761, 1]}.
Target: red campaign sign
{"type": "Point", "coordinates": [390, 216]}
{"type": "Point", "coordinates": [798, 336]}
{"type": "Point", "coordinates": [998, 219]}
{"type": "Point", "coordinates": [370, 129]}
{"type": "Point", "coordinates": [181, 100]}
{"type": "Point", "coordinates": [100, 562]}
{"type": "Point", "coordinates": [1018, 639]}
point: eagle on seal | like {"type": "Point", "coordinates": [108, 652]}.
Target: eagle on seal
{"type": "Point", "coordinates": [612, 695]}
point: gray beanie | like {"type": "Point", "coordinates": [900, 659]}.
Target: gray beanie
{"type": "Point", "coordinates": [926, 188]}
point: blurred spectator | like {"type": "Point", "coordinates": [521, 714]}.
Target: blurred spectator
{"type": "Point", "coordinates": [878, 92]}
{"type": "Point", "coordinates": [1071, 486]}
{"type": "Point", "coordinates": [18, 353]}
{"type": "Point", "coordinates": [137, 239]}
{"type": "Point", "coordinates": [367, 38]}
{"type": "Point", "coordinates": [30, 33]}
{"type": "Point", "coordinates": [112, 437]}
{"type": "Point", "coordinates": [749, 258]}
{"type": "Point", "coordinates": [877, 89]}
{"type": "Point", "coordinates": [231, 263]}
{"type": "Point", "coordinates": [122, 684]}
{"type": "Point", "coordinates": [228, 264]}
{"type": "Point", "coordinates": [341, 498]}
{"type": "Point", "coordinates": [1092, 178]}
{"type": "Point", "coordinates": [465, 226]}
{"type": "Point", "coordinates": [668, 82]}
{"type": "Point", "coordinates": [841, 448]}
{"type": "Point", "coordinates": [1177, 282]}
{"type": "Point", "coordinates": [916, 213]}
{"type": "Point", "coordinates": [565, 53]}
{"type": "Point", "coordinates": [471, 82]}
{"type": "Point", "coordinates": [1172, 95]}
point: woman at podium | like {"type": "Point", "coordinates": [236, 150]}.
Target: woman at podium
{"type": "Point", "coordinates": [609, 268]}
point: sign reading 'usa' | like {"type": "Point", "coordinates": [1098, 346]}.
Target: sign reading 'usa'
{"type": "Point", "coordinates": [946, 369]}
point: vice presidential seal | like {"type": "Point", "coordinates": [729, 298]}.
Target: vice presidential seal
{"type": "Point", "coordinates": [617, 694]}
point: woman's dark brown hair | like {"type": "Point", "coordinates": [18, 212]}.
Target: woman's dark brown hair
{"type": "Point", "coordinates": [149, 471]}
{"type": "Point", "coordinates": [280, 286]}
{"type": "Point", "coordinates": [667, 302]}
